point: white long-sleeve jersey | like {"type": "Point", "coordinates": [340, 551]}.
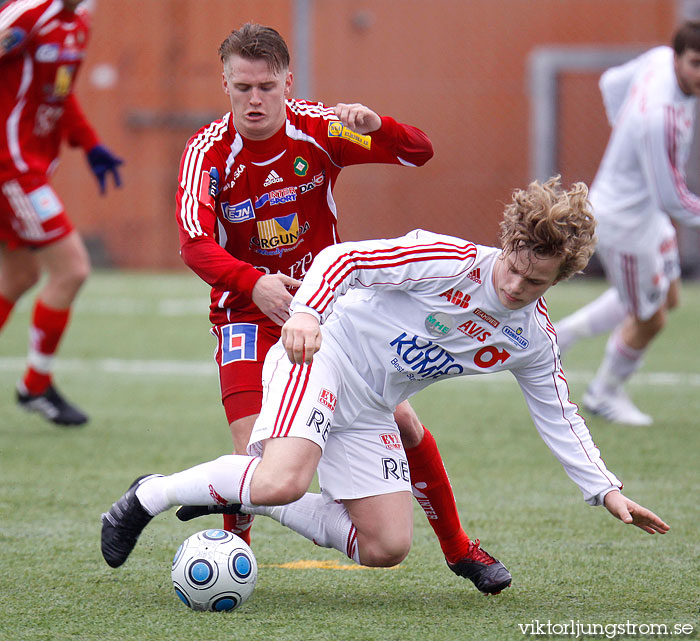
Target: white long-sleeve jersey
{"type": "Point", "coordinates": [429, 311]}
{"type": "Point", "coordinates": [641, 179]}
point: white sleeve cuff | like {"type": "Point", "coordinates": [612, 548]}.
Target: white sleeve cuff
{"type": "Point", "coordinates": [599, 498]}
{"type": "Point", "coordinates": [298, 307]}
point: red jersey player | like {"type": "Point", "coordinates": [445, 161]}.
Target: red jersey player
{"type": "Point", "coordinates": [42, 44]}
{"type": "Point", "coordinates": [255, 206]}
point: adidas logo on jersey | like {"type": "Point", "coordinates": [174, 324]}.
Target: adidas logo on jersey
{"type": "Point", "coordinates": [475, 275]}
{"type": "Point", "coordinates": [272, 178]}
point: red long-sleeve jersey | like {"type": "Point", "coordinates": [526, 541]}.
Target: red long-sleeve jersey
{"type": "Point", "coordinates": [247, 208]}
{"type": "Point", "coordinates": [41, 48]}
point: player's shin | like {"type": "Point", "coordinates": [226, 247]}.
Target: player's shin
{"type": "Point", "coordinates": [218, 482]}
{"type": "Point", "coordinates": [619, 363]}
{"type": "Point", "coordinates": [46, 331]}
{"type": "Point", "coordinates": [431, 488]}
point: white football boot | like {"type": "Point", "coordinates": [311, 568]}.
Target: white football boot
{"type": "Point", "coordinates": [615, 407]}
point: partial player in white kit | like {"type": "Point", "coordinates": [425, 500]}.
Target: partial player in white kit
{"type": "Point", "coordinates": [373, 323]}
{"type": "Point", "coordinates": [640, 185]}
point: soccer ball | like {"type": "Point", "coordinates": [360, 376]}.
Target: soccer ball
{"type": "Point", "coordinates": [214, 570]}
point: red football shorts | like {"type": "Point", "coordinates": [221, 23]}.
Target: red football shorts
{"type": "Point", "coordinates": [240, 352]}
{"type": "Point", "coordinates": [31, 214]}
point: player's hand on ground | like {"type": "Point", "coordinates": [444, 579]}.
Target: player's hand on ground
{"type": "Point", "coordinates": [358, 117]}
{"type": "Point", "coordinates": [630, 512]}
{"type": "Point", "coordinates": [301, 337]}
{"type": "Point", "coordinates": [272, 297]}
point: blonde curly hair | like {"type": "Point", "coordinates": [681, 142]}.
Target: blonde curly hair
{"type": "Point", "coordinates": [550, 221]}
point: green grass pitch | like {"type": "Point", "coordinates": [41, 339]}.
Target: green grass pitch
{"type": "Point", "coordinates": [138, 359]}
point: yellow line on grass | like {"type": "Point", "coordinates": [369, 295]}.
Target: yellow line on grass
{"type": "Point", "coordinates": [320, 565]}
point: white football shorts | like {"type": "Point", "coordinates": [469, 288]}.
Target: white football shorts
{"type": "Point", "coordinates": [642, 276]}
{"type": "Point", "coordinates": [328, 403]}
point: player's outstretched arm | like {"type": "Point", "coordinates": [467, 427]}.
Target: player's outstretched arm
{"type": "Point", "coordinates": [301, 337]}
{"type": "Point", "coordinates": [630, 512]}
{"type": "Point", "coordinates": [272, 297]}
{"type": "Point", "coordinates": [358, 117]}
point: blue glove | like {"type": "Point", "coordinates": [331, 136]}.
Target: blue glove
{"type": "Point", "coordinates": [102, 162]}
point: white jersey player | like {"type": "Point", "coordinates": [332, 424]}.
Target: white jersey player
{"type": "Point", "coordinates": [433, 313]}
{"type": "Point", "coordinates": [397, 315]}
{"type": "Point", "coordinates": [640, 186]}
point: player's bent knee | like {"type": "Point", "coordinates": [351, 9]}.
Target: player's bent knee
{"type": "Point", "coordinates": [284, 494]}
{"type": "Point", "coordinates": [646, 330]}
{"type": "Point", "coordinates": [82, 273]}
{"type": "Point", "coordinates": [656, 323]}
{"type": "Point", "coordinates": [385, 547]}
{"type": "Point", "coordinates": [384, 554]}
{"type": "Point", "coordinates": [67, 283]}
{"type": "Point", "coordinates": [78, 273]}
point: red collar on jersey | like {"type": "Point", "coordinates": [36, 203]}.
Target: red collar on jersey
{"type": "Point", "coordinates": [274, 143]}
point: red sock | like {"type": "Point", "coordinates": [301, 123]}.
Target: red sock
{"type": "Point", "coordinates": [6, 306]}
{"type": "Point", "coordinates": [239, 524]}
{"type": "Point", "coordinates": [45, 333]}
{"type": "Point", "coordinates": [433, 491]}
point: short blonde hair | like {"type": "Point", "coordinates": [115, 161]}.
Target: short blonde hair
{"type": "Point", "coordinates": [256, 42]}
{"type": "Point", "coordinates": [550, 221]}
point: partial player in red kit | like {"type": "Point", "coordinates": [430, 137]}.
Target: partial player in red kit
{"type": "Point", "coordinates": [42, 44]}
{"type": "Point", "coordinates": [255, 206]}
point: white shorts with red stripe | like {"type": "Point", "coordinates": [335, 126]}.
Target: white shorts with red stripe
{"type": "Point", "coordinates": [642, 275]}
{"type": "Point", "coordinates": [328, 403]}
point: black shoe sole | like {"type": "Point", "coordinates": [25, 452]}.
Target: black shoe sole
{"type": "Point", "coordinates": [189, 512]}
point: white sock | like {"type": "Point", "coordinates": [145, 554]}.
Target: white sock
{"type": "Point", "coordinates": [327, 524]}
{"type": "Point", "coordinates": [597, 317]}
{"type": "Point", "coordinates": [619, 363]}
{"type": "Point", "coordinates": [223, 480]}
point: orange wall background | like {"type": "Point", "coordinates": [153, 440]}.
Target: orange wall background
{"type": "Point", "coordinates": [455, 68]}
